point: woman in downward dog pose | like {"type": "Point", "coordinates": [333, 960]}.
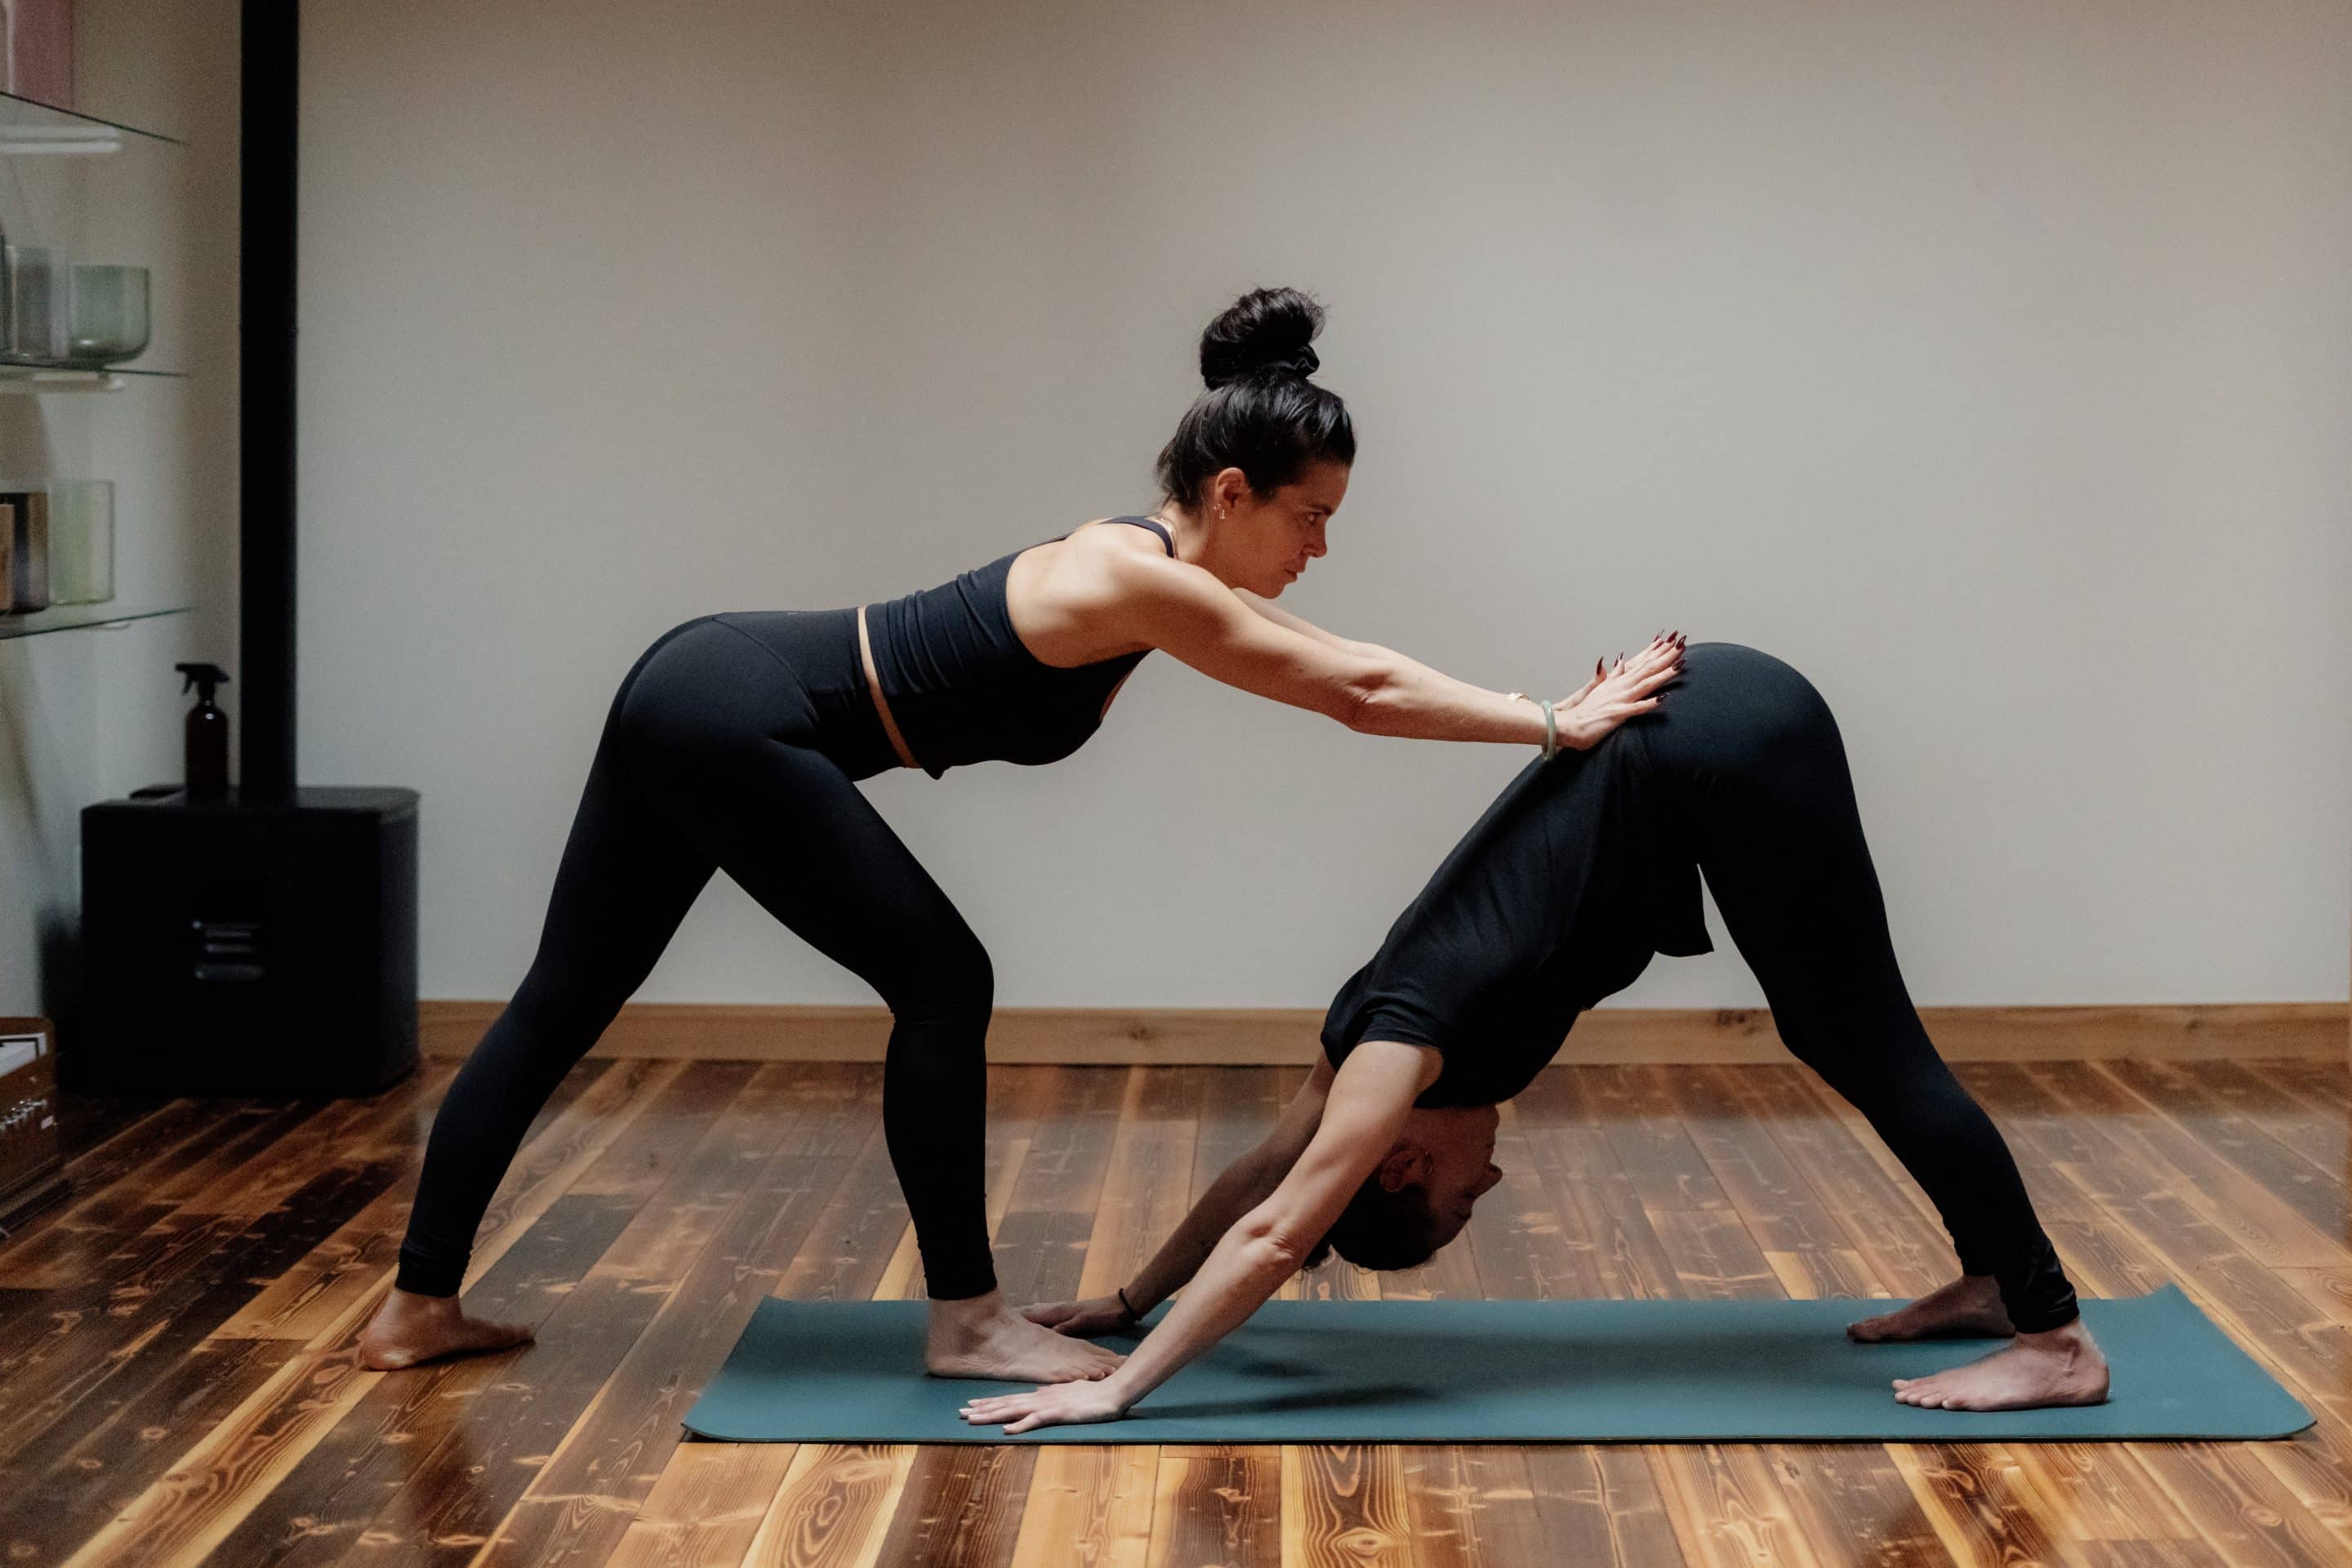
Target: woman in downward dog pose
{"type": "Point", "coordinates": [737, 741]}
{"type": "Point", "coordinates": [1582, 870]}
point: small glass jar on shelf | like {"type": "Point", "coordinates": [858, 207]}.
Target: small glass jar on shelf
{"type": "Point", "coordinates": [57, 544]}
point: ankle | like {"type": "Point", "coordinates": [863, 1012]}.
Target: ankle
{"type": "Point", "coordinates": [2070, 1335]}
{"type": "Point", "coordinates": [409, 1306]}
{"type": "Point", "coordinates": [971, 1312]}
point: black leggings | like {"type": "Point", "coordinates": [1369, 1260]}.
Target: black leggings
{"type": "Point", "coordinates": [1746, 762]}
{"type": "Point", "coordinates": [736, 742]}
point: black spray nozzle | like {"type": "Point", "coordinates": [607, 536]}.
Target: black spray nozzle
{"type": "Point", "coordinates": [206, 676]}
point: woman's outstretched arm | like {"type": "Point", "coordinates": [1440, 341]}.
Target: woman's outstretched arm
{"type": "Point", "coordinates": [1200, 622]}
{"type": "Point", "coordinates": [1249, 1182]}
{"type": "Point", "coordinates": [1369, 1098]}
{"type": "Point", "coordinates": [1304, 628]}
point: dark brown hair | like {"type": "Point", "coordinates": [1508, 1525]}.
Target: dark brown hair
{"type": "Point", "coordinates": [1260, 413]}
{"type": "Point", "coordinates": [1381, 1229]}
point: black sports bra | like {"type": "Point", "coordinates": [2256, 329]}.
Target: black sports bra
{"type": "Point", "coordinates": [963, 688]}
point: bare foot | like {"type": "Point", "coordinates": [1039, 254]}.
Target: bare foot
{"type": "Point", "coordinates": [411, 1330]}
{"type": "Point", "coordinates": [1969, 1308]}
{"type": "Point", "coordinates": [982, 1337]}
{"type": "Point", "coordinates": [2058, 1367]}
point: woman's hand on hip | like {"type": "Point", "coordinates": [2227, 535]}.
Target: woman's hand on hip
{"type": "Point", "coordinates": [1616, 693]}
{"type": "Point", "coordinates": [1082, 1319]}
{"type": "Point", "coordinates": [1056, 1404]}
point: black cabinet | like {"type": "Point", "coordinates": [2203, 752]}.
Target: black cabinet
{"type": "Point", "coordinates": [263, 948]}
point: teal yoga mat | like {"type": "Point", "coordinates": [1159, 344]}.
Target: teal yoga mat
{"type": "Point", "coordinates": [1499, 1372]}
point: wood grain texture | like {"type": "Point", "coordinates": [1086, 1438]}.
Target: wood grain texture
{"type": "Point", "coordinates": [1278, 1037]}
{"type": "Point", "coordinates": [182, 1387]}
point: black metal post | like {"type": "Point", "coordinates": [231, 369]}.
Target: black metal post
{"type": "Point", "coordinates": [266, 343]}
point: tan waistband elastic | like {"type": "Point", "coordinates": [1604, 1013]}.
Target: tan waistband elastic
{"type": "Point", "coordinates": [874, 687]}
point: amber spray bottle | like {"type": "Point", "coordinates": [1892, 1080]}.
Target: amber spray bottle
{"type": "Point", "coordinates": [207, 732]}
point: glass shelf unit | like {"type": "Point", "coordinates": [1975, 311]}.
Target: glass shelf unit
{"type": "Point", "coordinates": [29, 126]}
{"type": "Point", "coordinates": [40, 380]}
{"type": "Point", "coordinates": [71, 617]}
{"type": "Point", "coordinates": [86, 190]}
{"type": "Point", "coordinates": [86, 184]}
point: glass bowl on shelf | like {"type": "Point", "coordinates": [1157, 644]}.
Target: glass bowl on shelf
{"type": "Point", "coordinates": [108, 315]}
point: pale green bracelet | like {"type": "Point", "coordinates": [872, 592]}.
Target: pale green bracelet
{"type": "Point", "coordinates": [1551, 725]}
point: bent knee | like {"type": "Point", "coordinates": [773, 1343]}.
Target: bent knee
{"type": "Point", "coordinates": [952, 978]}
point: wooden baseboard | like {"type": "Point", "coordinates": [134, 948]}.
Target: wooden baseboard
{"type": "Point", "coordinates": [1254, 1036]}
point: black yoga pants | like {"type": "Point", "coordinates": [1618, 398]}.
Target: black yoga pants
{"type": "Point", "coordinates": [1748, 763]}
{"type": "Point", "coordinates": [736, 742]}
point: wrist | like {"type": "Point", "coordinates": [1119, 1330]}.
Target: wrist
{"type": "Point", "coordinates": [1120, 1389]}
{"type": "Point", "coordinates": [1548, 741]}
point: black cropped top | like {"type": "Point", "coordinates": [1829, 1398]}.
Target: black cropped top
{"type": "Point", "coordinates": [963, 688]}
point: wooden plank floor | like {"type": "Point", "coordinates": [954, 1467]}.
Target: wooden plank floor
{"type": "Point", "coordinates": [177, 1383]}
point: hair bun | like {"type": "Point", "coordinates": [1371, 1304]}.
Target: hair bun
{"type": "Point", "coordinates": [1265, 332]}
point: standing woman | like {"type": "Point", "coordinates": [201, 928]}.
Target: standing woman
{"type": "Point", "coordinates": [737, 739]}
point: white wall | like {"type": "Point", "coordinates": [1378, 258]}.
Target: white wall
{"type": "Point", "coordinates": [92, 714]}
{"type": "Point", "coordinates": [1989, 363]}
